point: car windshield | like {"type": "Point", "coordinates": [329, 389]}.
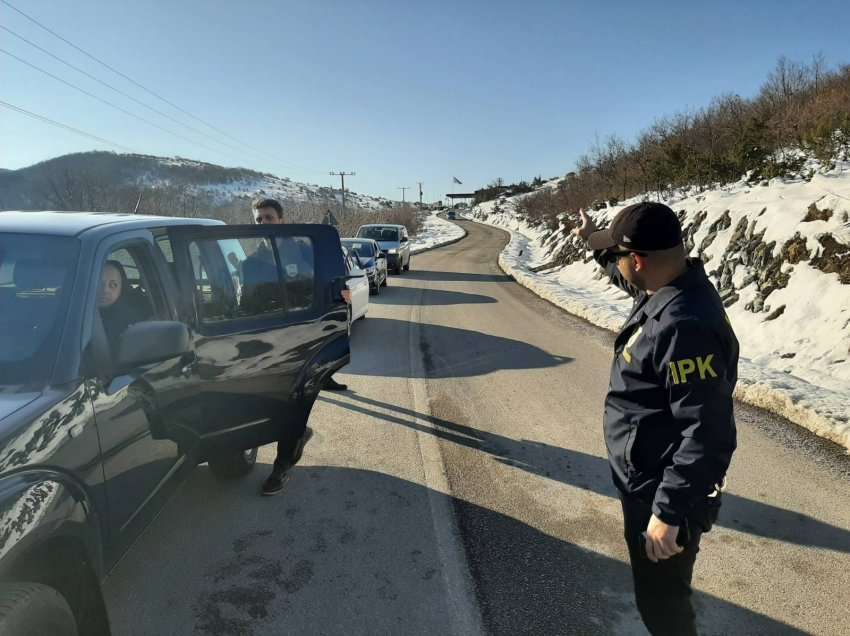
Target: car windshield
{"type": "Point", "coordinates": [36, 273]}
{"type": "Point", "coordinates": [378, 233]}
{"type": "Point", "coordinates": [363, 249]}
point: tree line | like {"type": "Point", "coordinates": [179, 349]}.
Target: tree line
{"type": "Point", "coordinates": [802, 110]}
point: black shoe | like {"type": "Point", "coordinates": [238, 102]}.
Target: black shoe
{"type": "Point", "coordinates": [299, 447]}
{"type": "Point", "coordinates": [275, 482]}
{"type": "Point", "coordinates": [333, 385]}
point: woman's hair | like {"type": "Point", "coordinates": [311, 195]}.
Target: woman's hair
{"type": "Point", "coordinates": [123, 274]}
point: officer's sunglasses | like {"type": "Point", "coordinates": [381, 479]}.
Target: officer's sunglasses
{"type": "Point", "coordinates": [614, 254]}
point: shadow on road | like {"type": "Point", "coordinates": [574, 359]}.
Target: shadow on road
{"type": "Point", "coordinates": [475, 353]}
{"type": "Point", "coordinates": [593, 473]}
{"type": "Point", "coordinates": [459, 277]}
{"type": "Point", "coordinates": [352, 551]}
{"type": "Point", "coordinates": [409, 296]}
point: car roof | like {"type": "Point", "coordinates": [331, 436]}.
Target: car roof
{"type": "Point", "coordinates": [382, 225]}
{"type": "Point", "coordinates": [358, 239]}
{"type": "Point", "coordinates": [75, 223]}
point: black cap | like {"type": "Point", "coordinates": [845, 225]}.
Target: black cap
{"type": "Point", "coordinates": [643, 227]}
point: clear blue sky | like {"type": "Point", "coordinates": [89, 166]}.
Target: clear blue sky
{"type": "Point", "coordinates": [398, 91]}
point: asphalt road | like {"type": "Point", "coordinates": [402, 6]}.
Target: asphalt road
{"type": "Point", "coordinates": [460, 487]}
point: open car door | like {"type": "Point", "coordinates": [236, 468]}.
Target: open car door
{"type": "Point", "coordinates": [268, 324]}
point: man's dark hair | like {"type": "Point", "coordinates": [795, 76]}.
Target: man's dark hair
{"type": "Point", "coordinates": [268, 203]}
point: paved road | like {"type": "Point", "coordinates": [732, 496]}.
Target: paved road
{"type": "Point", "coordinates": [461, 487]}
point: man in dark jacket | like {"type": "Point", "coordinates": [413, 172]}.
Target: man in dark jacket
{"type": "Point", "coordinates": [289, 449]}
{"type": "Point", "coordinates": [669, 425]}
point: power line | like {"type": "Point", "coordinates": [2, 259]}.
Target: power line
{"type": "Point", "coordinates": [107, 102]}
{"type": "Point", "coordinates": [119, 91]}
{"type": "Point", "coordinates": [61, 125]}
{"type": "Point", "coordinates": [144, 88]}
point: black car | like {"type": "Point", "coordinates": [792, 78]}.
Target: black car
{"type": "Point", "coordinates": [371, 260]}
{"type": "Point", "coordinates": [131, 349]}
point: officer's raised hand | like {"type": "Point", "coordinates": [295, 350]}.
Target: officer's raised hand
{"type": "Point", "coordinates": [661, 540]}
{"type": "Point", "coordinates": [587, 227]}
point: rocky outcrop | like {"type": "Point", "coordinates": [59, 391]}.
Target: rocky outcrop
{"type": "Point", "coordinates": [834, 257]}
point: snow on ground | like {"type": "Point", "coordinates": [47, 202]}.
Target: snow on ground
{"type": "Point", "coordinates": [435, 231]}
{"type": "Point", "coordinates": [796, 365]}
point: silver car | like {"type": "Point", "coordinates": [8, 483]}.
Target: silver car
{"type": "Point", "coordinates": [393, 241]}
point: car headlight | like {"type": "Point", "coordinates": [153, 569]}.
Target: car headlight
{"type": "Point", "coordinates": [393, 251]}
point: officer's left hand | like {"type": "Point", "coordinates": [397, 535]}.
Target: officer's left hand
{"type": "Point", "coordinates": [661, 540]}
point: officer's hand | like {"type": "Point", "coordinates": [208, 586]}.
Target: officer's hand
{"type": "Point", "coordinates": [661, 540]}
{"type": "Point", "coordinates": [587, 227]}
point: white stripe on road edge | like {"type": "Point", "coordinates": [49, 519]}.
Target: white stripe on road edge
{"type": "Point", "coordinates": [463, 605]}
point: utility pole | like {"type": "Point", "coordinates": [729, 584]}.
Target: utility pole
{"type": "Point", "coordinates": [402, 193]}
{"type": "Point", "coordinates": [342, 174]}
{"type": "Point", "coordinates": [420, 194]}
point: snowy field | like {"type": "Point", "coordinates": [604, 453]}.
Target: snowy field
{"type": "Point", "coordinates": [435, 232]}
{"type": "Point", "coordinates": [796, 364]}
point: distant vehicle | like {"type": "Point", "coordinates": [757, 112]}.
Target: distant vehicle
{"type": "Point", "coordinates": [131, 349]}
{"type": "Point", "coordinates": [451, 215]}
{"type": "Point", "coordinates": [358, 285]}
{"type": "Point", "coordinates": [370, 258]}
{"type": "Point", "coordinates": [393, 240]}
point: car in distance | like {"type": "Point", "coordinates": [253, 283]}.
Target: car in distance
{"type": "Point", "coordinates": [451, 215]}
{"type": "Point", "coordinates": [133, 348]}
{"type": "Point", "coordinates": [393, 240]}
{"type": "Point", "coordinates": [368, 255]}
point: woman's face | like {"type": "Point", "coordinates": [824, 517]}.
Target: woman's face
{"type": "Point", "coordinates": [110, 286]}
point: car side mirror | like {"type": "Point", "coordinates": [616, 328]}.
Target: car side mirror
{"type": "Point", "coordinates": [382, 255]}
{"type": "Point", "coordinates": [150, 342]}
{"type": "Point", "coordinates": [404, 239]}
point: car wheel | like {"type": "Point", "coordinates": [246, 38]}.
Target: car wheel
{"type": "Point", "coordinates": [384, 282]}
{"type": "Point", "coordinates": [233, 464]}
{"type": "Point", "coordinates": [376, 290]}
{"type": "Point", "coordinates": [407, 267]}
{"type": "Point", "coordinates": [31, 609]}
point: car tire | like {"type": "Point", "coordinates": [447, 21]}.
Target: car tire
{"type": "Point", "coordinates": [375, 291]}
{"type": "Point", "coordinates": [232, 465]}
{"type": "Point", "coordinates": [407, 267]}
{"type": "Point", "coordinates": [384, 282]}
{"type": "Point", "coordinates": [32, 609]}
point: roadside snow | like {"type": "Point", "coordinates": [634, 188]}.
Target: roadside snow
{"type": "Point", "coordinates": [435, 232]}
{"type": "Point", "coordinates": [797, 365]}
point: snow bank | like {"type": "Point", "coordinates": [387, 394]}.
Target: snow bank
{"type": "Point", "coordinates": [435, 232]}
{"type": "Point", "coordinates": [796, 365]}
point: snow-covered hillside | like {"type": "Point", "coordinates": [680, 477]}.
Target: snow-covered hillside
{"type": "Point", "coordinates": [225, 185]}
{"type": "Point", "coordinates": [778, 252]}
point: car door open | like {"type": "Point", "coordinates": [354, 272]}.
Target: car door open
{"type": "Point", "coordinates": [268, 326]}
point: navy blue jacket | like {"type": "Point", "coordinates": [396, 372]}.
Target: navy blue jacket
{"type": "Point", "coordinates": [669, 423]}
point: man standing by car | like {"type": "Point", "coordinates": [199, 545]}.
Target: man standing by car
{"type": "Point", "coordinates": [669, 424]}
{"type": "Point", "coordinates": [270, 211]}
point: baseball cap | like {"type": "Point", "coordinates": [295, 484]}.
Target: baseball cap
{"type": "Point", "coordinates": [643, 227]}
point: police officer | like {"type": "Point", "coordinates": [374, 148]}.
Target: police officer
{"type": "Point", "coordinates": [668, 422]}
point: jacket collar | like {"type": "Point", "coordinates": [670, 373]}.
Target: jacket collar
{"type": "Point", "coordinates": [694, 275]}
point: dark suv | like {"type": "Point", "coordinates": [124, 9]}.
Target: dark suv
{"type": "Point", "coordinates": [131, 349]}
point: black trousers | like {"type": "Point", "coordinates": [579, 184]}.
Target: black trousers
{"type": "Point", "coordinates": [291, 433]}
{"type": "Point", "coordinates": [663, 590]}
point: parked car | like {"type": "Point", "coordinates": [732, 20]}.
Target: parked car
{"type": "Point", "coordinates": [358, 285]}
{"type": "Point", "coordinates": [133, 348]}
{"type": "Point", "coordinates": [393, 240]}
{"type": "Point", "coordinates": [371, 259]}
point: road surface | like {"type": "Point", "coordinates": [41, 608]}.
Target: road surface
{"type": "Point", "coordinates": [461, 487]}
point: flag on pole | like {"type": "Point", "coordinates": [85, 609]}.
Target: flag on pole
{"type": "Point", "coordinates": [457, 181]}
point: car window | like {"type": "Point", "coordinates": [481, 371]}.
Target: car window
{"type": "Point", "coordinates": [361, 248]}
{"type": "Point", "coordinates": [36, 273]}
{"type": "Point", "coordinates": [297, 260]}
{"type": "Point", "coordinates": [129, 291]}
{"type": "Point", "coordinates": [252, 277]}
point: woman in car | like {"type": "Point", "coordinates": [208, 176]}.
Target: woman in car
{"type": "Point", "coordinates": [120, 305]}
